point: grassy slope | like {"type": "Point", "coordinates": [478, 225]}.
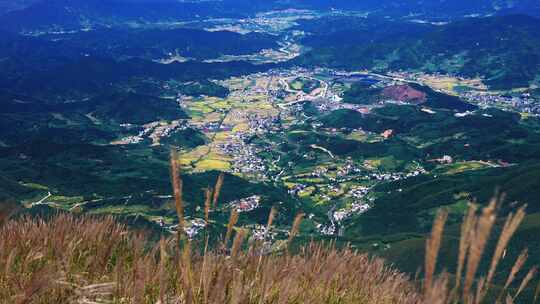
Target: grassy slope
{"type": "Point", "coordinates": [99, 260]}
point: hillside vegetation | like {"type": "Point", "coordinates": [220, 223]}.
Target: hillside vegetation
{"type": "Point", "coordinates": [91, 260]}
{"type": "Point", "coordinates": [504, 50]}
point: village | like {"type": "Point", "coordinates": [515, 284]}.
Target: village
{"type": "Point", "coordinates": [244, 133]}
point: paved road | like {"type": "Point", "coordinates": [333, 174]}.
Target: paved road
{"type": "Point", "coordinates": [42, 201]}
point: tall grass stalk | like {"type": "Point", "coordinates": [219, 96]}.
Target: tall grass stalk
{"type": "Point", "coordinates": [479, 239]}
{"type": "Point", "coordinates": [433, 245]}
{"type": "Point", "coordinates": [177, 185]}
{"type": "Point", "coordinates": [476, 231]}
{"type": "Point", "coordinates": [295, 228]}
{"type": "Point", "coordinates": [217, 189]}
{"type": "Point", "coordinates": [207, 204]}
{"type": "Point", "coordinates": [233, 219]}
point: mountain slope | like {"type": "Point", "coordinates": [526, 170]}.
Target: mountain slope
{"type": "Point", "coordinates": [505, 50]}
{"type": "Point", "coordinates": [135, 108]}
{"type": "Point", "coordinates": [74, 14]}
{"type": "Point", "coordinates": [7, 6]}
{"type": "Point", "coordinates": [156, 44]}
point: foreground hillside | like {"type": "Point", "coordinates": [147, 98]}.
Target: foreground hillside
{"type": "Point", "coordinates": [90, 260]}
{"type": "Point", "coordinates": [81, 259]}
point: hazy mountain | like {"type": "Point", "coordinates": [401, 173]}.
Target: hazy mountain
{"type": "Point", "coordinates": [69, 14]}
{"type": "Point", "coordinates": [430, 8]}
{"type": "Point", "coordinates": [12, 5]}
{"type": "Point", "coordinates": [157, 44]}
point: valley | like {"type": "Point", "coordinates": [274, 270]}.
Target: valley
{"type": "Point", "coordinates": [292, 129]}
{"type": "Point", "coordinates": [368, 121]}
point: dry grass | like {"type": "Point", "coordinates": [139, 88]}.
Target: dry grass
{"type": "Point", "coordinates": [217, 192]}
{"type": "Point", "coordinates": [207, 204]}
{"type": "Point", "coordinates": [469, 287]}
{"type": "Point", "coordinates": [177, 185]}
{"type": "Point", "coordinates": [233, 219]}
{"type": "Point", "coordinates": [6, 210]}
{"type": "Point", "coordinates": [433, 246]}
{"type": "Point", "coordinates": [70, 259]}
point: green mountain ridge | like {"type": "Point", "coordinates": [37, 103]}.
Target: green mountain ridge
{"type": "Point", "coordinates": [505, 51]}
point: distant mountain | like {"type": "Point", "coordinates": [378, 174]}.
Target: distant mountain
{"type": "Point", "coordinates": [134, 108]}
{"type": "Point", "coordinates": [157, 43]}
{"type": "Point", "coordinates": [84, 77]}
{"type": "Point", "coordinates": [505, 50]}
{"type": "Point", "coordinates": [51, 66]}
{"type": "Point", "coordinates": [73, 14]}
{"type": "Point", "coordinates": [7, 6]}
{"type": "Point", "coordinates": [23, 54]}
{"type": "Point", "coordinates": [19, 104]}
{"type": "Point", "coordinates": [118, 106]}
{"type": "Point", "coordinates": [427, 8]}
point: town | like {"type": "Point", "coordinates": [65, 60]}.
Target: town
{"type": "Point", "coordinates": [246, 131]}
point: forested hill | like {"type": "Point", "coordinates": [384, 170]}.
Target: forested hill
{"type": "Point", "coordinates": [505, 50]}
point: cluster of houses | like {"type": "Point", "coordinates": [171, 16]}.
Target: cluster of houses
{"type": "Point", "coordinates": [356, 208]}
{"type": "Point", "coordinates": [262, 233]}
{"type": "Point", "coordinates": [260, 124]}
{"type": "Point", "coordinates": [349, 168]}
{"type": "Point", "coordinates": [524, 103]}
{"type": "Point", "coordinates": [245, 158]}
{"type": "Point", "coordinates": [246, 204]}
{"type": "Point", "coordinates": [154, 131]}
{"type": "Point", "coordinates": [396, 176]}
{"type": "Point", "coordinates": [297, 189]}
{"type": "Point", "coordinates": [194, 227]}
